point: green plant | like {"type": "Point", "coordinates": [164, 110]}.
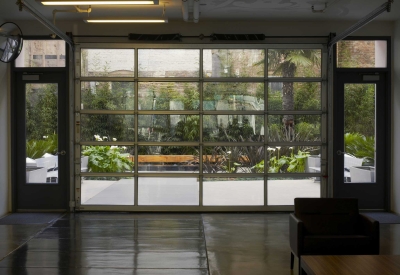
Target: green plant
{"type": "Point", "coordinates": [37, 148]}
{"type": "Point", "coordinates": [293, 163]}
{"type": "Point", "coordinates": [104, 159]}
{"type": "Point", "coordinates": [297, 162]}
{"type": "Point", "coordinates": [360, 146]}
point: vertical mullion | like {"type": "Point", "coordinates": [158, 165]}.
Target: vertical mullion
{"type": "Point", "coordinates": [136, 127]}
{"type": "Point", "coordinates": [201, 82]}
{"type": "Point", "coordinates": [265, 127]}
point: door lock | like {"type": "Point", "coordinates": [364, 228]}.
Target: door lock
{"type": "Point", "coordinates": [62, 153]}
{"type": "Point", "coordinates": [340, 152]}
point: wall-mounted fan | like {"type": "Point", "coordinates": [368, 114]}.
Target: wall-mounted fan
{"type": "Point", "coordinates": [10, 42]}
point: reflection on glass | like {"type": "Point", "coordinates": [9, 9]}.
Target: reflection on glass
{"type": "Point", "coordinates": [233, 128]}
{"type": "Point", "coordinates": [283, 191]}
{"type": "Point", "coordinates": [233, 63]}
{"type": "Point", "coordinates": [289, 96]}
{"type": "Point", "coordinates": [107, 95]}
{"type": "Point", "coordinates": [233, 96]}
{"type": "Point", "coordinates": [107, 190]}
{"type": "Point", "coordinates": [294, 128]}
{"type": "Point", "coordinates": [41, 130]}
{"type": "Point", "coordinates": [231, 192]}
{"type": "Point", "coordinates": [362, 54]}
{"type": "Point", "coordinates": [108, 62]}
{"type": "Point", "coordinates": [233, 159]}
{"type": "Point", "coordinates": [168, 128]}
{"type": "Point", "coordinates": [169, 62]}
{"type": "Point", "coordinates": [359, 129]}
{"type": "Point", "coordinates": [106, 158]}
{"type": "Point", "coordinates": [42, 53]}
{"type": "Point", "coordinates": [168, 159]}
{"type": "Point", "coordinates": [294, 159]}
{"type": "Point", "coordinates": [294, 62]}
{"type": "Point", "coordinates": [168, 191]}
{"type": "Point", "coordinates": [168, 96]}
{"type": "Point", "coordinates": [108, 127]}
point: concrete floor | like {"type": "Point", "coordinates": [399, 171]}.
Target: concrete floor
{"type": "Point", "coordinates": [181, 244]}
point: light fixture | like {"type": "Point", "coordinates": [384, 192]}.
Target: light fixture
{"type": "Point", "coordinates": [160, 20]}
{"type": "Point", "coordinates": [96, 2]}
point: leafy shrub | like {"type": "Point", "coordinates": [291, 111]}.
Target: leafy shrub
{"type": "Point", "coordinates": [360, 146]}
{"type": "Point", "coordinates": [103, 159]}
{"type": "Point", "coordinates": [37, 148]}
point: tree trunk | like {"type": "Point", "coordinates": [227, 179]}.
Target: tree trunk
{"type": "Point", "coordinates": [288, 100]}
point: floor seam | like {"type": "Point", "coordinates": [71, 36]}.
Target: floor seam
{"type": "Point", "coordinates": [40, 231]}
{"type": "Point", "coordinates": [205, 245]}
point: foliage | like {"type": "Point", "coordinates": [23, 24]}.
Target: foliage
{"type": "Point", "coordinates": [37, 148]}
{"type": "Point", "coordinates": [282, 163]}
{"type": "Point", "coordinates": [360, 146]}
{"type": "Point", "coordinates": [359, 109]}
{"type": "Point", "coordinates": [107, 158]}
{"type": "Point", "coordinates": [41, 111]}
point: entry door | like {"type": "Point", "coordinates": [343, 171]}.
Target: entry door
{"type": "Point", "coordinates": [361, 137]}
{"type": "Point", "coordinates": [41, 136]}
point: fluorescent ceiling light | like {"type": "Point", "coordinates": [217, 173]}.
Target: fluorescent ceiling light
{"type": "Point", "coordinates": [126, 20]}
{"type": "Point", "coordinates": [96, 2]}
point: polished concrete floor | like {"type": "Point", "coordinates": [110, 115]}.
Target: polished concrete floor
{"type": "Point", "coordinates": [142, 244]}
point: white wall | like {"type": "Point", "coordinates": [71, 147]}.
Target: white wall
{"type": "Point", "coordinates": [396, 122]}
{"type": "Point", "coordinates": [4, 167]}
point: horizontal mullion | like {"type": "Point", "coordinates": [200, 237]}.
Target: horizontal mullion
{"type": "Point", "coordinates": [295, 79]}
{"type": "Point", "coordinates": [89, 174]}
{"type": "Point", "coordinates": [232, 175]}
{"type": "Point", "coordinates": [233, 143]}
{"type": "Point", "coordinates": [168, 79]}
{"type": "Point", "coordinates": [180, 143]}
{"type": "Point", "coordinates": [145, 174]}
{"type": "Point", "coordinates": [106, 79]}
{"type": "Point", "coordinates": [295, 112]}
{"type": "Point", "coordinates": [107, 143]}
{"type": "Point", "coordinates": [233, 112]}
{"type": "Point", "coordinates": [296, 143]}
{"type": "Point", "coordinates": [293, 175]}
{"type": "Point", "coordinates": [234, 79]}
{"type": "Point", "coordinates": [166, 112]}
{"type": "Point", "coordinates": [107, 112]}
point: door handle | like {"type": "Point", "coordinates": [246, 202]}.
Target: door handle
{"type": "Point", "coordinates": [340, 152]}
{"type": "Point", "coordinates": [62, 153]}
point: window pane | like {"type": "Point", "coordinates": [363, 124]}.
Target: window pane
{"type": "Point", "coordinates": [168, 96]}
{"type": "Point", "coordinates": [359, 129]}
{"type": "Point", "coordinates": [42, 53]}
{"type": "Point", "coordinates": [108, 62]}
{"type": "Point", "coordinates": [168, 159]}
{"type": "Point", "coordinates": [107, 127]}
{"type": "Point", "coordinates": [283, 191]}
{"type": "Point", "coordinates": [107, 190]}
{"type": "Point", "coordinates": [237, 191]}
{"type": "Point", "coordinates": [294, 128]}
{"type": "Point", "coordinates": [169, 63]}
{"type": "Point", "coordinates": [233, 96]}
{"type": "Point", "coordinates": [233, 128]}
{"type": "Point", "coordinates": [41, 129]}
{"type": "Point", "coordinates": [168, 191]}
{"type": "Point", "coordinates": [294, 62]}
{"type": "Point", "coordinates": [294, 159]}
{"type": "Point", "coordinates": [107, 159]}
{"type": "Point", "coordinates": [233, 159]}
{"type": "Point", "coordinates": [302, 96]}
{"type": "Point", "coordinates": [169, 128]}
{"type": "Point", "coordinates": [362, 54]}
{"type": "Point", "coordinates": [107, 95]}
{"type": "Point", "coordinates": [233, 63]}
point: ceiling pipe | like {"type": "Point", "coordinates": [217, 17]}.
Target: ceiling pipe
{"type": "Point", "coordinates": [185, 10]}
{"type": "Point", "coordinates": [196, 11]}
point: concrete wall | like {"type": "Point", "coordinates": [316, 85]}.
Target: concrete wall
{"type": "Point", "coordinates": [396, 122]}
{"type": "Point", "coordinates": [4, 163]}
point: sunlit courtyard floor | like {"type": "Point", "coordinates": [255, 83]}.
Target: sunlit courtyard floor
{"type": "Point", "coordinates": [184, 191]}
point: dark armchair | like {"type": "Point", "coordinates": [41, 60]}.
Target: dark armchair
{"type": "Point", "coordinates": [331, 226]}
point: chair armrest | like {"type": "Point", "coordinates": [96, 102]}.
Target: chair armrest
{"type": "Point", "coordinates": [370, 227]}
{"type": "Point", "coordinates": [296, 234]}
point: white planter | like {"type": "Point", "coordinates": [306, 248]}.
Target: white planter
{"type": "Point", "coordinates": [313, 164]}
{"type": "Point", "coordinates": [362, 174]}
{"type": "Point", "coordinates": [36, 175]}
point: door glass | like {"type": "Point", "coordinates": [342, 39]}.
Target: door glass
{"type": "Point", "coordinates": [41, 133]}
{"type": "Point", "coordinates": [359, 133]}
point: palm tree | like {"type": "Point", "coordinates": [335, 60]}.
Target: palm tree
{"type": "Point", "coordinates": [289, 63]}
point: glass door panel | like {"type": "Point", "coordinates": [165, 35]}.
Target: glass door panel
{"type": "Point", "coordinates": [359, 132]}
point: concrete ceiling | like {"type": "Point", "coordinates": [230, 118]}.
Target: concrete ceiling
{"type": "Point", "coordinates": [217, 10]}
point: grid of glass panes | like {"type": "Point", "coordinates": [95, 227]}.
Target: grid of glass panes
{"type": "Point", "coordinates": [227, 126]}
